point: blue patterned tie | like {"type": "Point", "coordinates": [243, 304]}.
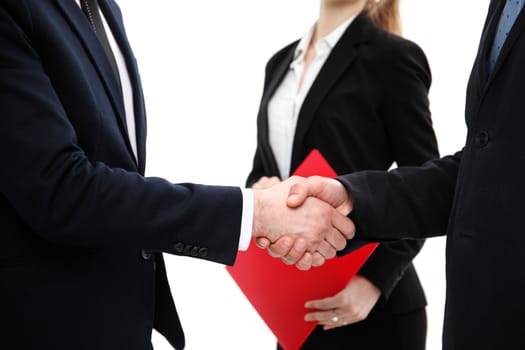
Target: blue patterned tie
{"type": "Point", "coordinates": [508, 17]}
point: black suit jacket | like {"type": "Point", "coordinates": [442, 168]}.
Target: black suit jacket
{"type": "Point", "coordinates": [475, 197]}
{"type": "Point", "coordinates": [357, 114]}
{"type": "Point", "coordinates": [79, 221]}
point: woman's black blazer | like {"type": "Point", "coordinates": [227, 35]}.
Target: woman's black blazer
{"type": "Point", "coordinates": [367, 109]}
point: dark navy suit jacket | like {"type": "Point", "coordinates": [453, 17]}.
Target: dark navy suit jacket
{"type": "Point", "coordinates": [476, 197]}
{"type": "Point", "coordinates": [81, 227]}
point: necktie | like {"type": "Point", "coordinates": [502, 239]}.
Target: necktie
{"type": "Point", "coordinates": [508, 17]}
{"type": "Point", "coordinates": [90, 9]}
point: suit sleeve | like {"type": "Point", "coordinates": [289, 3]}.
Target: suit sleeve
{"type": "Point", "coordinates": [404, 203]}
{"type": "Point", "coordinates": [406, 116]}
{"type": "Point", "coordinates": [71, 200]}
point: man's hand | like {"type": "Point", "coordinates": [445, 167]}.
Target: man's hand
{"type": "Point", "coordinates": [330, 191]}
{"type": "Point", "coordinates": [297, 250]}
{"type": "Point", "coordinates": [314, 226]}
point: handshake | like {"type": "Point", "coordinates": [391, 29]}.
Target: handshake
{"type": "Point", "coordinates": [302, 221]}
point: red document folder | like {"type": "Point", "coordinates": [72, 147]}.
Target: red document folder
{"type": "Point", "coordinates": [278, 291]}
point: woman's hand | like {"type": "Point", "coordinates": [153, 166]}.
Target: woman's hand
{"type": "Point", "coordinates": [351, 305]}
{"type": "Point", "coordinates": [265, 182]}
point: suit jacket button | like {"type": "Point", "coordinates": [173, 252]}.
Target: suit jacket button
{"type": "Point", "coordinates": [179, 247]}
{"type": "Point", "coordinates": [482, 139]}
{"type": "Point", "coordinates": [203, 252]}
{"type": "Point", "coordinates": [145, 254]}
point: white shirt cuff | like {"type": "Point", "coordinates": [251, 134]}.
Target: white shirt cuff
{"type": "Point", "coordinates": [247, 219]}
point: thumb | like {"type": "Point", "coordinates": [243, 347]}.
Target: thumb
{"type": "Point", "coordinates": [300, 191]}
{"type": "Point", "coordinates": [297, 196]}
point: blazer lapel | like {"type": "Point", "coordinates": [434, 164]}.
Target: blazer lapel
{"type": "Point", "coordinates": [341, 57]}
{"type": "Point", "coordinates": [117, 28]}
{"type": "Point", "coordinates": [276, 78]}
{"type": "Point", "coordinates": [98, 57]}
{"type": "Point", "coordinates": [487, 38]}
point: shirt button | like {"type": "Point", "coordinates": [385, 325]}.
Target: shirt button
{"type": "Point", "coordinates": [482, 139]}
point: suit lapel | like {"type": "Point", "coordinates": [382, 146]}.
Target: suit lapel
{"type": "Point", "coordinates": [276, 78]}
{"type": "Point", "coordinates": [117, 28]}
{"type": "Point", "coordinates": [341, 57]}
{"type": "Point", "coordinates": [487, 38]}
{"type": "Point", "coordinates": [98, 57]}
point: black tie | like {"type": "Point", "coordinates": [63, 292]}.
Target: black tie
{"type": "Point", "coordinates": [90, 8]}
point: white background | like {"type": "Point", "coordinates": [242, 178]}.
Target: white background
{"type": "Point", "coordinates": [202, 65]}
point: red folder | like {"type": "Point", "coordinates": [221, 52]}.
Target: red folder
{"type": "Point", "coordinates": [278, 292]}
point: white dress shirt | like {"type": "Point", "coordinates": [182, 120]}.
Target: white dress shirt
{"type": "Point", "coordinates": [286, 103]}
{"type": "Point", "coordinates": [127, 92]}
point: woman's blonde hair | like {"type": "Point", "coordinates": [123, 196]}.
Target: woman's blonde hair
{"type": "Point", "coordinates": [385, 14]}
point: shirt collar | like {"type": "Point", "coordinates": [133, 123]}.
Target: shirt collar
{"type": "Point", "coordinates": [323, 45]}
{"type": "Point", "coordinates": [301, 48]}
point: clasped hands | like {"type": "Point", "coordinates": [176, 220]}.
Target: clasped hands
{"type": "Point", "coordinates": [302, 221]}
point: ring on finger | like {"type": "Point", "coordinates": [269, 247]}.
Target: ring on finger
{"type": "Point", "coordinates": [334, 318]}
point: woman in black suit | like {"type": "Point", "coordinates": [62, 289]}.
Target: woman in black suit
{"type": "Point", "coordinates": [356, 91]}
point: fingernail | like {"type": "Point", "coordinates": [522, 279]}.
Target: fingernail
{"type": "Point", "coordinates": [286, 261]}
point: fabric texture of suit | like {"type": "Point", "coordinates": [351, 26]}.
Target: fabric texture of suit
{"type": "Point", "coordinates": [81, 228]}
{"type": "Point", "coordinates": [475, 197]}
{"type": "Point", "coordinates": [357, 114]}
